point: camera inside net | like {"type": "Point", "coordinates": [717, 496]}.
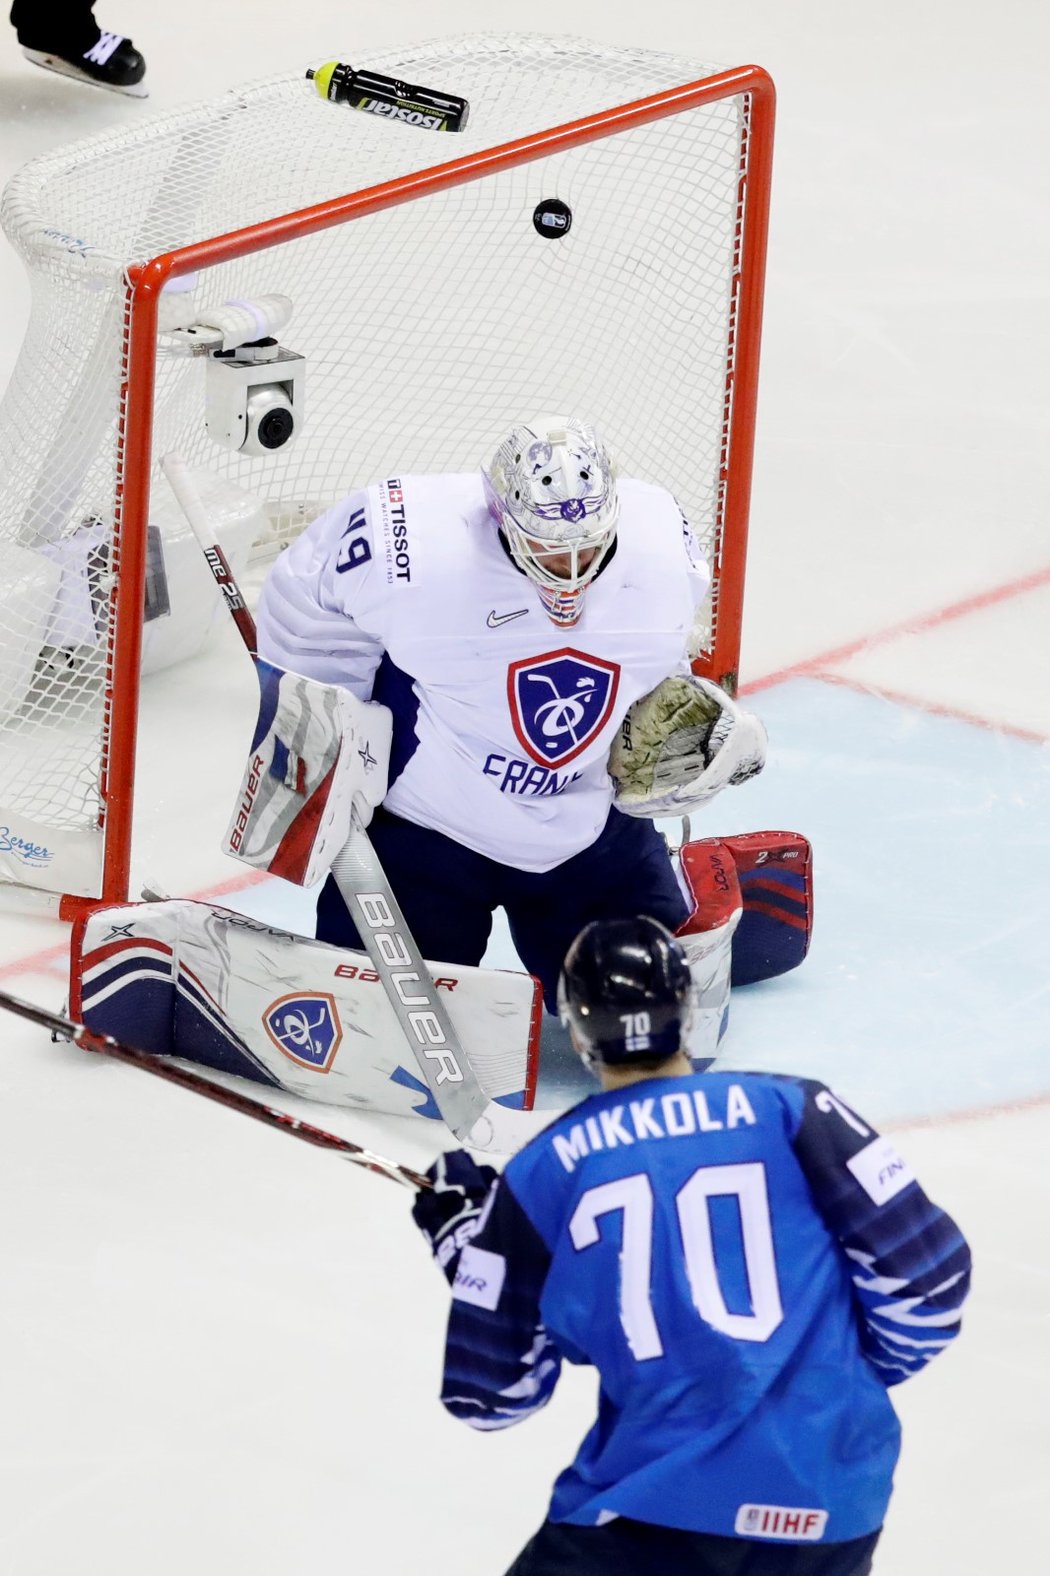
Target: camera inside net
{"type": "Point", "coordinates": [254, 396]}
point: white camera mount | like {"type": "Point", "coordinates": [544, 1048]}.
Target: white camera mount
{"type": "Point", "coordinates": [254, 396]}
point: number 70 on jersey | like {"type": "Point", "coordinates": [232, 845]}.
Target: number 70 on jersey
{"type": "Point", "coordinates": [632, 1197]}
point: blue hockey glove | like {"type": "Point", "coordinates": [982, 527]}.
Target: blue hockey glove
{"type": "Point", "coordinates": [448, 1213]}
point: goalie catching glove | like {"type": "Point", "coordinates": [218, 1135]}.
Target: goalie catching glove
{"type": "Point", "coordinates": [680, 745]}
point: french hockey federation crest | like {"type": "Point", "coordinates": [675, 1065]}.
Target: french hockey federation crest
{"type": "Point", "coordinates": [306, 1028]}
{"type": "Point", "coordinates": [560, 702]}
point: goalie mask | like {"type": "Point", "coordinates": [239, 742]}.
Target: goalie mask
{"type": "Point", "coordinates": [626, 992]}
{"type": "Point", "coordinates": [551, 488]}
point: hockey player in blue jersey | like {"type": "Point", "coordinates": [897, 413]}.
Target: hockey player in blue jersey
{"type": "Point", "coordinates": [747, 1264]}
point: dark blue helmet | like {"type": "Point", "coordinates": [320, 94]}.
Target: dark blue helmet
{"type": "Point", "coordinates": [625, 991]}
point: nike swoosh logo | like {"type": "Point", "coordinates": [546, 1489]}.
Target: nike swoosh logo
{"type": "Point", "coordinates": [495, 619]}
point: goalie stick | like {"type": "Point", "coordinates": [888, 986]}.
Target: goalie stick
{"type": "Point", "coordinates": [474, 1118]}
{"type": "Point", "coordinates": [66, 1029]}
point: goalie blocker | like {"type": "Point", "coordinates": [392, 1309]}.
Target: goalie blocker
{"type": "Point", "coordinates": [317, 753]}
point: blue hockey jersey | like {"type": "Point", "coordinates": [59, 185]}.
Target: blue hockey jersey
{"type": "Point", "coordinates": [748, 1265]}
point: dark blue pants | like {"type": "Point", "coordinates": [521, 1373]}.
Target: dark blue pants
{"type": "Point", "coordinates": [56, 23]}
{"type": "Point", "coordinates": [636, 1548]}
{"type": "Point", "coordinates": [448, 893]}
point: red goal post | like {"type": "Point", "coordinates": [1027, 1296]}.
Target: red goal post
{"type": "Point", "coordinates": [647, 212]}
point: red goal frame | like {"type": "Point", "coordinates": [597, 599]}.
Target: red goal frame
{"type": "Point", "coordinates": [146, 281]}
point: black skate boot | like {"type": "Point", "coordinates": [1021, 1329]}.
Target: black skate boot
{"type": "Point", "coordinates": [112, 61]}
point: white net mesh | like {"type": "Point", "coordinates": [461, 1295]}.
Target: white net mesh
{"type": "Point", "coordinates": [427, 329]}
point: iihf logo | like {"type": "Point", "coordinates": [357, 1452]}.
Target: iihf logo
{"type": "Point", "coordinates": [560, 702]}
{"type": "Point", "coordinates": [305, 1028]}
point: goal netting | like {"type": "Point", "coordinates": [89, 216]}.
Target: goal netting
{"type": "Point", "coordinates": [432, 314]}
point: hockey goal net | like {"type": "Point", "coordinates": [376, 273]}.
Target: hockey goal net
{"type": "Point", "coordinates": [432, 314]}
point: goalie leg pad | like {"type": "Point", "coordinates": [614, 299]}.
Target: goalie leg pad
{"type": "Point", "coordinates": [775, 871]}
{"type": "Point", "coordinates": [127, 980]}
{"type": "Point", "coordinates": [187, 979]}
{"type": "Point", "coordinates": [709, 877]}
{"type": "Point", "coordinates": [769, 876]}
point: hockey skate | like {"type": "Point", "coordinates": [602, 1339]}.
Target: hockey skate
{"type": "Point", "coordinates": [112, 62]}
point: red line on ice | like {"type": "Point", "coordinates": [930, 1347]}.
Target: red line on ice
{"type": "Point", "coordinates": [908, 626]}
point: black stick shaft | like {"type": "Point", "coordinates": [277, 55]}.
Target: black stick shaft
{"type": "Point", "coordinates": [171, 1072]}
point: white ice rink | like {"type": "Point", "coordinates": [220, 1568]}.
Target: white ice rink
{"type": "Point", "coordinates": [219, 1349]}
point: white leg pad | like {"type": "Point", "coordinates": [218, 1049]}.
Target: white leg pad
{"type": "Point", "coordinates": [708, 877]}
{"type": "Point", "coordinates": [187, 979]}
{"type": "Point", "coordinates": [710, 957]}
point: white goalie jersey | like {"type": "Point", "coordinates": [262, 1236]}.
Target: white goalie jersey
{"type": "Point", "coordinates": [502, 724]}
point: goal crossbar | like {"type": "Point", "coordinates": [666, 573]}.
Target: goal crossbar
{"type": "Point", "coordinates": [145, 282]}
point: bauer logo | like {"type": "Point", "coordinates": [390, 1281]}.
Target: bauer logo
{"type": "Point", "coordinates": [305, 1028]}
{"type": "Point", "coordinates": [244, 809]}
{"type": "Point", "coordinates": [560, 702]}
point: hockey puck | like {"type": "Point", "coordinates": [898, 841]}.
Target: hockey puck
{"type": "Point", "coordinates": [552, 219]}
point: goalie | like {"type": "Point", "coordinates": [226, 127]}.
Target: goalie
{"type": "Point", "coordinates": [526, 626]}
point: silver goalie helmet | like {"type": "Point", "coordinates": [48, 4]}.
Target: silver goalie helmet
{"type": "Point", "coordinates": [551, 487]}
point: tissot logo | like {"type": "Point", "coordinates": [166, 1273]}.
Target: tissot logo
{"type": "Point", "coordinates": [495, 619]}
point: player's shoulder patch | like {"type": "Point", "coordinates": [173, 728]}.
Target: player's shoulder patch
{"type": "Point", "coordinates": [407, 511]}
{"type": "Point", "coordinates": [393, 508]}
{"type": "Point", "coordinates": [881, 1171]}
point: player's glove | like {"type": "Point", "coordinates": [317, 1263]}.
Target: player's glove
{"type": "Point", "coordinates": [680, 745]}
{"type": "Point", "coordinates": [448, 1214]}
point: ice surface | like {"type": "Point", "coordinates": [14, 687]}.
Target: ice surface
{"type": "Point", "coordinates": [221, 1349]}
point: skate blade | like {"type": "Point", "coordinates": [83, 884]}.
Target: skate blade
{"type": "Point", "coordinates": [66, 68]}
